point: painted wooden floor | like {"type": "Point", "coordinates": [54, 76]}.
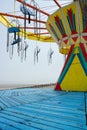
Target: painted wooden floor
{"type": "Point", "coordinates": [42, 109]}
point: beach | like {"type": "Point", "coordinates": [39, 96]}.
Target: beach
{"type": "Point", "coordinates": [19, 86]}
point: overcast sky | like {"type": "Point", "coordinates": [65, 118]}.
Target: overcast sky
{"type": "Point", "coordinates": [15, 72]}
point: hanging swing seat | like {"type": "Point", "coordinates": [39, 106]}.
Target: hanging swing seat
{"type": "Point", "coordinates": [26, 10]}
{"type": "Point", "coordinates": [26, 46]}
{"type": "Point", "coordinates": [13, 29]}
{"type": "Point", "coordinates": [16, 41]}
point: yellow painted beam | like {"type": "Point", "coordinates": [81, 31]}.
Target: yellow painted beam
{"type": "Point", "coordinates": [29, 35]}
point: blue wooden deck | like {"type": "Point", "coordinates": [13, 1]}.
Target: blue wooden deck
{"type": "Point", "coordinates": [42, 109]}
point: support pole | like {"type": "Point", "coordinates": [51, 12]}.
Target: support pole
{"type": "Point", "coordinates": [57, 4]}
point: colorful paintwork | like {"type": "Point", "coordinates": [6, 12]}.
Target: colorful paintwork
{"type": "Point", "coordinates": [70, 25]}
{"type": "Point", "coordinates": [60, 26]}
{"type": "Point", "coordinates": [74, 73]}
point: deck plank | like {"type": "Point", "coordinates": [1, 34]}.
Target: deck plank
{"type": "Point", "coordinates": [42, 109]}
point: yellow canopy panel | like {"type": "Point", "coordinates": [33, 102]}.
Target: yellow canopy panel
{"type": "Point", "coordinates": [68, 26]}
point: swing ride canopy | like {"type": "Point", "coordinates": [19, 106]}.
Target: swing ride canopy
{"type": "Point", "coordinates": [68, 25]}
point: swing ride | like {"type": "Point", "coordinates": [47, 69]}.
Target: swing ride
{"type": "Point", "coordinates": [66, 25]}
{"type": "Point", "coordinates": [43, 108]}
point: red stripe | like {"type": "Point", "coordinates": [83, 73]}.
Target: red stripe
{"type": "Point", "coordinates": [71, 48]}
{"type": "Point", "coordinates": [85, 38]}
{"type": "Point", "coordinates": [75, 38]}
{"type": "Point", "coordinates": [58, 87]}
{"type": "Point", "coordinates": [58, 21]}
{"type": "Point", "coordinates": [71, 18]}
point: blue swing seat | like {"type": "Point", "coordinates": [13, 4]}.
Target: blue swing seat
{"type": "Point", "coordinates": [13, 29]}
{"type": "Point", "coordinates": [16, 41]}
